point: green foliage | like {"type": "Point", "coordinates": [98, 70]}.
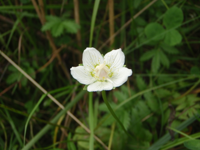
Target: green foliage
{"type": "Point", "coordinates": [16, 76]}
{"type": "Point", "coordinates": [172, 37]}
{"type": "Point", "coordinates": [169, 49]}
{"type": "Point", "coordinates": [173, 17]}
{"type": "Point", "coordinates": [154, 31]}
{"type": "Point", "coordinates": [82, 137]}
{"type": "Point", "coordinates": [148, 55]}
{"type": "Point", "coordinates": [193, 144]}
{"type": "Point", "coordinates": [187, 106]}
{"type": "Point", "coordinates": [58, 25]}
{"type": "Point", "coordinates": [167, 38]}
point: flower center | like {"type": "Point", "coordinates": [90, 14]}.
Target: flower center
{"type": "Point", "coordinates": [101, 72]}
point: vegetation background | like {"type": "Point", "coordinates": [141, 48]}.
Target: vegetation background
{"type": "Point", "coordinates": [158, 105]}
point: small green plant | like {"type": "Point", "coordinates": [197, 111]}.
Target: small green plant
{"type": "Point", "coordinates": [60, 25]}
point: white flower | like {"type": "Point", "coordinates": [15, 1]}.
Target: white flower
{"type": "Point", "coordinates": [101, 73]}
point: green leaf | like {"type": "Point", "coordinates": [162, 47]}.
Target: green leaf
{"type": "Point", "coordinates": [13, 77]}
{"type": "Point", "coordinates": [147, 55]}
{"type": "Point", "coordinates": [151, 101]}
{"type": "Point", "coordinates": [173, 17]}
{"type": "Point", "coordinates": [70, 144]}
{"type": "Point", "coordinates": [125, 118]}
{"type": "Point", "coordinates": [57, 26]}
{"type": "Point", "coordinates": [71, 26]}
{"type": "Point", "coordinates": [161, 93]}
{"type": "Point", "coordinates": [51, 22]}
{"type": "Point", "coordinates": [143, 109]}
{"type": "Point", "coordinates": [155, 64]}
{"type": "Point", "coordinates": [140, 83]}
{"type": "Point", "coordinates": [154, 31]}
{"type": "Point", "coordinates": [195, 70]}
{"type": "Point", "coordinates": [173, 37]}
{"type": "Point", "coordinates": [12, 68]}
{"type": "Point", "coordinates": [57, 29]}
{"type": "Point", "coordinates": [120, 96]}
{"type": "Point", "coordinates": [169, 49]}
{"type": "Point", "coordinates": [193, 144]}
{"type": "Point", "coordinates": [163, 59]}
{"type": "Point", "coordinates": [82, 138]}
{"type": "Point", "coordinates": [24, 81]}
{"type": "Point", "coordinates": [181, 106]}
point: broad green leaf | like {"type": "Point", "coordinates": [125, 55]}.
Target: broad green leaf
{"type": "Point", "coordinates": [70, 144]}
{"type": "Point", "coordinates": [173, 37]}
{"type": "Point", "coordinates": [166, 116]}
{"type": "Point", "coordinates": [161, 93]}
{"type": "Point", "coordinates": [175, 123]}
{"type": "Point", "coordinates": [143, 109]}
{"type": "Point", "coordinates": [12, 68]}
{"type": "Point", "coordinates": [71, 26]}
{"type": "Point", "coordinates": [24, 81]}
{"type": "Point", "coordinates": [82, 138]}
{"type": "Point", "coordinates": [57, 29]}
{"type": "Point", "coordinates": [51, 22]}
{"type": "Point", "coordinates": [169, 49]}
{"type": "Point", "coordinates": [151, 101]}
{"type": "Point", "coordinates": [190, 112]}
{"type": "Point", "coordinates": [178, 101]}
{"type": "Point", "coordinates": [195, 70]}
{"type": "Point", "coordinates": [140, 83]}
{"type": "Point", "coordinates": [155, 64]}
{"type": "Point", "coordinates": [52, 18]}
{"type": "Point", "coordinates": [192, 98]}
{"type": "Point", "coordinates": [147, 55]}
{"type": "Point", "coordinates": [57, 26]}
{"type": "Point", "coordinates": [154, 31]}
{"type": "Point", "coordinates": [163, 59]}
{"type": "Point", "coordinates": [120, 96]}
{"type": "Point", "coordinates": [173, 17]}
{"type": "Point", "coordinates": [13, 77]}
{"type": "Point", "coordinates": [193, 144]}
{"type": "Point", "coordinates": [181, 106]}
{"type": "Point", "coordinates": [125, 118]}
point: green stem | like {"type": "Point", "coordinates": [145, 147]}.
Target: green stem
{"type": "Point", "coordinates": [91, 122]}
{"type": "Point", "coordinates": [165, 4]}
{"type": "Point", "coordinates": [94, 14]}
{"type": "Point", "coordinates": [112, 112]}
{"type": "Point", "coordinates": [111, 136]}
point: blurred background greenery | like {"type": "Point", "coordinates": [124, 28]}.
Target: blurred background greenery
{"type": "Point", "coordinates": [159, 104]}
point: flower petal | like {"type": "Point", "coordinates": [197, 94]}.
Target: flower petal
{"type": "Point", "coordinates": [114, 59]}
{"type": "Point", "coordinates": [82, 75]}
{"type": "Point", "coordinates": [120, 76]}
{"type": "Point", "coordinates": [91, 58]}
{"type": "Point", "coordinates": [100, 86]}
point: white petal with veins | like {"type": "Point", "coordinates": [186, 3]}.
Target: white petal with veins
{"type": "Point", "coordinates": [82, 75]}
{"type": "Point", "coordinates": [100, 86]}
{"type": "Point", "coordinates": [91, 58]}
{"type": "Point", "coordinates": [115, 59]}
{"type": "Point", "coordinates": [120, 76]}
